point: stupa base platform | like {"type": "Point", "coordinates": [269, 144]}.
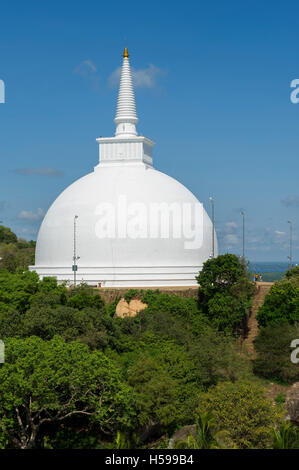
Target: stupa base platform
{"type": "Point", "coordinates": [127, 277]}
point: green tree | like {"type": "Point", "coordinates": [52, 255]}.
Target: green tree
{"type": "Point", "coordinates": [15, 254]}
{"type": "Point", "coordinates": [220, 274]}
{"type": "Point", "coordinates": [156, 391]}
{"type": "Point", "coordinates": [281, 305]}
{"type": "Point", "coordinates": [243, 411]}
{"type": "Point", "coordinates": [227, 312]}
{"type": "Point", "coordinates": [9, 257]}
{"type": "Point", "coordinates": [51, 382]}
{"type": "Point", "coordinates": [70, 323]}
{"type": "Point", "coordinates": [83, 296]}
{"type": "Point", "coordinates": [216, 356]}
{"type": "Point", "coordinates": [274, 352]}
{"type": "Point", "coordinates": [293, 275]}
{"type": "Point", "coordinates": [16, 290]}
{"type": "Point", "coordinates": [225, 292]}
{"type": "Point", "coordinates": [7, 236]}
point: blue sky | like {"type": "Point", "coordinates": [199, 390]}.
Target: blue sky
{"type": "Point", "coordinates": [213, 93]}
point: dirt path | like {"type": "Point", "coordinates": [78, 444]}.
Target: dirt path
{"type": "Point", "coordinates": [262, 289]}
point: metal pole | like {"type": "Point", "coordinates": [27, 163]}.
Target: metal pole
{"type": "Point", "coordinates": [75, 257]}
{"type": "Point", "coordinates": [213, 227]}
{"type": "Point", "coordinates": [291, 245]}
{"type": "Point", "coordinates": [243, 215]}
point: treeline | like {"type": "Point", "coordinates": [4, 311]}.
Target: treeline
{"type": "Point", "coordinates": [279, 325]}
{"type": "Point", "coordinates": [15, 253]}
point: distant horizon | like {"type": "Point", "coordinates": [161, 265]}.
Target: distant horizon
{"type": "Point", "coordinates": [251, 261]}
{"type": "Point", "coordinates": [273, 261]}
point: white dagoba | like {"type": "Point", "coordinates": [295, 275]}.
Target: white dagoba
{"type": "Point", "coordinates": [129, 228]}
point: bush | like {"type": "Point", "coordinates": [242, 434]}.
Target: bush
{"type": "Point", "coordinates": [293, 275]}
{"type": "Point", "coordinates": [216, 356]}
{"type": "Point", "coordinates": [16, 290]}
{"type": "Point", "coordinates": [274, 353]}
{"type": "Point", "coordinates": [83, 296]}
{"type": "Point", "coordinates": [281, 305]}
{"type": "Point", "coordinates": [225, 292]}
{"type": "Point", "coordinates": [242, 410]}
{"type": "Point", "coordinates": [156, 391]}
{"type": "Point", "coordinates": [286, 436]}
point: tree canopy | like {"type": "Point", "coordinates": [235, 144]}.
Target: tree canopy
{"type": "Point", "coordinates": [77, 376]}
{"type": "Point", "coordinates": [225, 292]}
{"type": "Point", "coordinates": [50, 382]}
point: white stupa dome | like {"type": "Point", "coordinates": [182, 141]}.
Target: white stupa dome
{"type": "Point", "coordinates": [130, 224]}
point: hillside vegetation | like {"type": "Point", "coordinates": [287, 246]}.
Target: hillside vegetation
{"type": "Point", "coordinates": [77, 376]}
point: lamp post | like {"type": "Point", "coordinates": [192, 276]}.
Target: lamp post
{"type": "Point", "coordinates": [75, 257]}
{"type": "Point", "coordinates": [213, 227]}
{"type": "Point", "coordinates": [243, 243]}
{"type": "Point", "coordinates": [290, 257]}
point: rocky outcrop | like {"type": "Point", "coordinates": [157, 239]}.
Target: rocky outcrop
{"type": "Point", "coordinates": [125, 309]}
{"type": "Point", "coordinates": [182, 434]}
{"type": "Point", "coordinates": [292, 403]}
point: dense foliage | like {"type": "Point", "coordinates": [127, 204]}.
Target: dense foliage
{"type": "Point", "coordinates": [15, 253]}
{"type": "Point", "coordinates": [77, 376]}
{"type": "Point", "coordinates": [225, 292]}
{"type": "Point", "coordinates": [243, 411]}
{"type": "Point", "coordinates": [274, 353]}
{"type": "Point", "coordinates": [281, 305]}
{"type": "Point", "coordinates": [7, 236]}
{"type": "Point", "coordinates": [51, 382]}
{"type": "Point", "coordinates": [279, 325]}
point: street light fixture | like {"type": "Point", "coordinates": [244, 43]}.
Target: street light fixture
{"type": "Point", "coordinates": [213, 227]}
{"type": "Point", "coordinates": [75, 257]}
{"type": "Point", "coordinates": [243, 243]}
{"type": "Point", "coordinates": [290, 257]}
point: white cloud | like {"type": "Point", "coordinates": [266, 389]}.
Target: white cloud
{"type": "Point", "coordinates": [280, 234]}
{"type": "Point", "coordinates": [231, 226]}
{"type": "Point", "coordinates": [255, 239]}
{"type": "Point", "coordinates": [231, 239]}
{"type": "Point", "coordinates": [88, 70]}
{"type": "Point", "coordinates": [146, 77]}
{"type": "Point", "coordinates": [114, 78]}
{"type": "Point", "coordinates": [27, 231]}
{"type": "Point", "coordinates": [29, 215]}
{"type": "Point", "coordinates": [143, 78]}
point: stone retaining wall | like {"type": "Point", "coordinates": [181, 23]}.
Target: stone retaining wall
{"type": "Point", "coordinates": [110, 295]}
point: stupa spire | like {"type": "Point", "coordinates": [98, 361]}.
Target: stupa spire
{"type": "Point", "coordinates": [126, 117]}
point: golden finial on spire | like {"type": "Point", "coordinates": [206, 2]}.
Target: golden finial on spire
{"type": "Point", "coordinates": [126, 54]}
